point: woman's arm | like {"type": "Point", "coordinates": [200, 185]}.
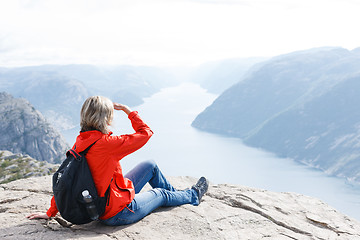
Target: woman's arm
{"type": "Point", "coordinates": [51, 212]}
{"type": "Point", "coordinates": [128, 143]}
{"type": "Point", "coordinates": [38, 215]}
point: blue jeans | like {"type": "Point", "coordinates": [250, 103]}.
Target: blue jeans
{"type": "Point", "coordinates": [162, 194]}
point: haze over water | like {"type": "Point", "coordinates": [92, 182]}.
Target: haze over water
{"type": "Point", "coordinates": [181, 150]}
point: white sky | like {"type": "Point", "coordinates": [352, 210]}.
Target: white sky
{"type": "Point", "coordinates": [169, 32]}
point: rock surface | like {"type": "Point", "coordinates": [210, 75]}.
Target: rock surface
{"type": "Point", "coordinates": [17, 166]}
{"type": "Point", "coordinates": [24, 130]}
{"type": "Point", "coordinates": [227, 212]}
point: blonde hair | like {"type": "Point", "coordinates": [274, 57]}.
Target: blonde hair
{"type": "Point", "coordinates": [97, 113]}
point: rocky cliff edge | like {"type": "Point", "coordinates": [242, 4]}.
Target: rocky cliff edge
{"type": "Point", "coordinates": [227, 212]}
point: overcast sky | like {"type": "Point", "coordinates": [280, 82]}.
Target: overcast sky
{"type": "Point", "coordinates": [169, 32]}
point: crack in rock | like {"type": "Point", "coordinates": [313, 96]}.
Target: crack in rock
{"type": "Point", "coordinates": [288, 236]}
{"type": "Point", "coordinates": [10, 200]}
{"type": "Point", "coordinates": [7, 235]}
{"type": "Point", "coordinates": [110, 236]}
{"type": "Point", "coordinates": [237, 204]}
{"type": "Point", "coordinates": [281, 211]}
{"type": "Point", "coordinates": [327, 226]}
{"type": "Point", "coordinates": [128, 235]}
{"type": "Point", "coordinates": [250, 199]}
{"type": "Point", "coordinates": [3, 209]}
{"type": "Point", "coordinates": [226, 218]}
{"type": "Point", "coordinates": [27, 190]}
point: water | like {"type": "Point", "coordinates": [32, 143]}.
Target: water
{"type": "Point", "coordinates": [181, 150]}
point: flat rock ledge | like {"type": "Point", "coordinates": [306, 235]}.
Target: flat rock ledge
{"type": "Point", "coordinates": [226, 212]}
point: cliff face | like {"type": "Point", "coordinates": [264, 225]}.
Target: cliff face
{"type": "Point", "coordinates": [301, 106]}
{"type": "Point", "coordinates": [227, 212]}
{"type": "Point", "coordinates": [24, 130]}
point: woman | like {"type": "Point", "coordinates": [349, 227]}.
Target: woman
{"type": "Point", "coordinates": [126, 204]}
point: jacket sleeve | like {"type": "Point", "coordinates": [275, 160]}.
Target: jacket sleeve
{"type": "Point", "coordinates": [125, 144]}
{"type": "Point", "coordinates": [52, 211]}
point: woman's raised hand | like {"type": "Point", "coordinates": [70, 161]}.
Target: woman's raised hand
{"type": "Point", "coordinates": [122, 107]}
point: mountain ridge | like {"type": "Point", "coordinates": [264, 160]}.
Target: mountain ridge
{"type": "Point", "coordinates": [58, 91]}
{"type": "Point", "coordinates": [286, 103]}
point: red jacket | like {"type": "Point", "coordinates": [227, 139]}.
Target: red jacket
{"type": "Point", "coordinates": [103, 160]}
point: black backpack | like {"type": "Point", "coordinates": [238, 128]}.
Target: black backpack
{"type": "Point", "coordinates": [69, 181]}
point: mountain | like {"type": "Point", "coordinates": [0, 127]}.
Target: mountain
{"type": "Point", "coordinates": [301, 105]}
{"type": "Point", "coordinates": [226, 212]}
{"type": "Point", "coordinates": [58, 91]}
{"type": "Point", "coordinates": [217, 76]}
{"type": "Point", "coordinates": [24, 130]}
{"type": "Point", "coordinates": [57, 97]}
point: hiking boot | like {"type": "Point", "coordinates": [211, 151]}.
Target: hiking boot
{"type": "Point", "coordinates": [201, 187]}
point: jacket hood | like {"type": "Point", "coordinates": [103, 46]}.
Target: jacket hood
{"type": "Point", "coordinates": [85, 139]}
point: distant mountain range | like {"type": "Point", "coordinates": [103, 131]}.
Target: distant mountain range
{"type": "Point", "coordinates": [303, 105]}
{"type": "Point", "coordinates": [24, 130]}
{"type": "Point", "coordinates": [58, 91]}
{"type": "Point", "coordinates": [217, 76]}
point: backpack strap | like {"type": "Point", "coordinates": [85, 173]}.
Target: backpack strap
{"type": "Point", "coordinates": [107, 195]}
{"type": "Point", "coordinates": [76, 154]}
{"type": "Point", "coordinates": [87, 149]}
